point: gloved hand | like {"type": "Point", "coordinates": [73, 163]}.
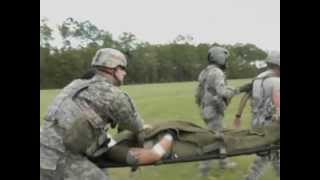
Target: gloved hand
{"type": "Point", "coordinates": [147, 126]}
{"type": "Point", "coordinates": [140, 138]}
{"type": "Point", "coordinates": [246, 87]}
{"type": "Point", "coordinates": [276, 117]}
{"type": "Point", "coordinates": [226, 100]}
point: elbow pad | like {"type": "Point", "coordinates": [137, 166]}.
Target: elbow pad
{"type": "Point", "coordinates": [131, 159]}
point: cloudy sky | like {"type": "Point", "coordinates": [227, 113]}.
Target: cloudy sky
{"type": "Point", "coordinates": [160, 21]}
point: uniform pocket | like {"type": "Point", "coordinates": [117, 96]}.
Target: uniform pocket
{"type": "Point", "coordinates": [48, 158]}
{"type": "Point", "coordinates": [80, 136]}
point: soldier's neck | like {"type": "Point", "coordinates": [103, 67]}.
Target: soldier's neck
{"type": "Point", "coordinates": [276, 72]}
{"type": "Point", "coordinates": [217, 66]}
{"type": "Point", "coordinates": [108, 77]}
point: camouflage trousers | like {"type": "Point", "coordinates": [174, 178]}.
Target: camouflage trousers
{"type": "Point", "coordinates": [74, 169]}
{"type": "Point", "coordinates": [258, 166]}
{"type": "Point", "coordinates": [214, 121]}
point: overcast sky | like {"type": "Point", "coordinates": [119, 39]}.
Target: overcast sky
{"type": "Point", "coordinates": [160, 21]}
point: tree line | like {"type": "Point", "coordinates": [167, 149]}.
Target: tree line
{"type": "Point", "coordinates": [179, 60]}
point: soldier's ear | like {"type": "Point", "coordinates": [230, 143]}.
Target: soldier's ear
{"type": "Point", "coordinates": [223, 67]}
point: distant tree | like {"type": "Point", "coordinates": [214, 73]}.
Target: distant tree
{"type": "Point", "coordinates": [45, 34]}
{"type": "Point", "coordinates": [82, 33]}
{"type": "Point", "coordinates": [241, 56]}
{"type": "Point", "coordinates": [179, 60]}
{"type": "Point", "coordinates": [183, 39]}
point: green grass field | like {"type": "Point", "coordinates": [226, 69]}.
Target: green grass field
{"type": "Point", "coordinates": [174, 101]}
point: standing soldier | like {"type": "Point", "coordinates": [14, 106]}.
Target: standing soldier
{"type": "Point", "coordinates": [213, 96]}
{"type": "Point", "coordinates": [265, 105]}
{"type": "Point", "coordinates": [76, 124]}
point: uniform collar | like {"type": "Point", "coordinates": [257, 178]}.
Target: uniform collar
{"type": "Point", "coordinates": [213, 65]}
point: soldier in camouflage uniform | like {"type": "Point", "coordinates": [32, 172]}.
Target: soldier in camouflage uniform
{"type": "Point", "coordinates": [213, 95]}
{"type": "Point", "coordinates": [265, 105]}
{"type": "Point", "coordinates": [75, 128]}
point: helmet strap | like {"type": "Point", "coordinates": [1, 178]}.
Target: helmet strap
{"type": "Point", "coordinates": [107, 70]}
{"type": "Point", "coordinates": [223, 67]}
{"type": "Point", "coordinates": [110, 72]}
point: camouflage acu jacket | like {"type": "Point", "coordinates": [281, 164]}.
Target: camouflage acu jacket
{"type": "Point", "coordinates": [213, 89]}
{"type": "Point", "coordinates": [261, 103]}
{"type": "Point", "coordinates": [79, 117]}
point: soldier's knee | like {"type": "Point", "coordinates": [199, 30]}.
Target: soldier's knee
{"type": "Point", "coordinates": [276, 166]}
{"type": "Point", "coordinates": [94, 174]}
{"type": "Point", "coordinates": [208, 113]}
{"type": "Point", "coordinates": [215, 125]}
{"type": "Point", "coordinates": [204, 166]}
{"type": "Point", "coordinates": [84, 170]}
{"type": "Point", "coordinates": [46, 175]}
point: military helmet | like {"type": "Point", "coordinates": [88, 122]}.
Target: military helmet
{"type": "Point", "coordinates": [273, 58]}
{"type": "Point", "coordinates": [108, 57]}
{"type": "Point", "coordinates": [218, 55]}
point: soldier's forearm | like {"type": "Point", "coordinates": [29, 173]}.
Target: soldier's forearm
{"type": "Point", "coordinates": [146, 156]}
{"type": "Point", "coordinates": [276, 100]}
{"type": "Point", "coordinates": [245, 88]}
{"type": "Point", "coordinates": [227, 92]}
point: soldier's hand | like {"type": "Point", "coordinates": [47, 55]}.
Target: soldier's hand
{"type": "Point", "coordinates": [246, 87]}
{"type": "Point", "coordinates": [276, 118]}
{"type": "Point", "coordinates": [237, 122]}
{"type": "Point", "coordinates": [227, 100]}
{"type": "Point", "coordinates": [145, 156]}
{"type": "Point", "coordinates": [147, 126]}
